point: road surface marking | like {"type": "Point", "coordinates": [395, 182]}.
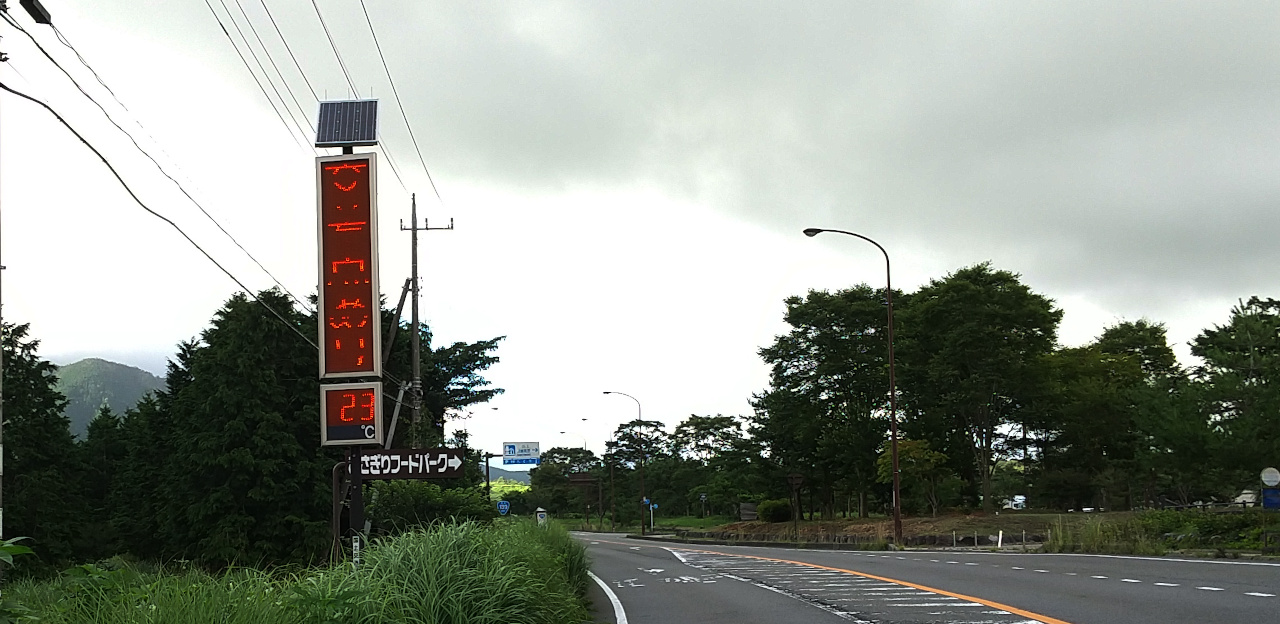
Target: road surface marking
{"type": "Point", "coordinates": [1017, 568]}
{"type": "Point", "coordinates": [1211, 588]}
{"type": "Point", "coordinates": [1070, 573]}
{"type": "Point", "coordinates": [1166, 584]}
{"type": "Point", "coordinates": [1098, 576]}
{"type": "Point", "coordinates": [1130, 581]}
{"type": "Point", "coordinates": [1043, 571]}
{"type": "Point", "coordinates": [1044, 619]}
{"type": "Point", "coordinates": [1260, 594]}
{"type": "Point", "coordinates": [971, 564]}
{"type": "Point", "coordinates": [619, 614]}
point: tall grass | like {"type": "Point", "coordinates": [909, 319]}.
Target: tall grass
{"type": "Point", "coordinates": [509, 572]}
{"type": "Point", "coordinates": [1097, 535]}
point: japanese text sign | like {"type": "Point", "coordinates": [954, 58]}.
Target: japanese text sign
{"type": "Point", "coordinates": [432, 463]}
{"type": "Point", "coordinates": [350, 323]}
{"type": "Point", "coordinates": [351, 413]}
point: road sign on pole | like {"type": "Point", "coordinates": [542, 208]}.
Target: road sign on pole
{"type": "Point", "coordinates": [1270, 477]}
{"type": "Point", "coordinates": [521, 453]}
{"type": "Point", "coordinates": [541, 515]}
{"type": "Point", "coordinates": [504, 507]}
{"type": "Point", "coordinates": [432, 463]}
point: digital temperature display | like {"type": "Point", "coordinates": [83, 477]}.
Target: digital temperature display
{"type": "Point", "coordinates": [350, 323]}
{"type": "Point", "coordinates": [351, 413]}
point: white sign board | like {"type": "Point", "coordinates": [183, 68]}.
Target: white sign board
{"type": "Point", "coordinates": [521, 453]}
{"type": "Point", "coordinates": [1271, 477]}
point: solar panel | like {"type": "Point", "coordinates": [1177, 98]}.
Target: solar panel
{"type": "Point", "coordinates": [347, 123]}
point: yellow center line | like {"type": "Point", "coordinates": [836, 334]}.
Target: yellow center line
{"type": "Point", "coordinates": [990, 603]}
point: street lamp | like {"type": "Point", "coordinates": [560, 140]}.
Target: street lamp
{"type": "Point", "coordinates": [893, 389]}
{"type": "Point", "coordinates": [639, 419]}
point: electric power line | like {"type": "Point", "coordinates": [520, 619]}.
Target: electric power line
{"type": "Point", "coordinates": [157, 215]}
{"type": "Point", "coordinates": [272, 60]}
{"type": "Point", "coordinates": [290, 50]}
{"type": "Point", "coordinates": [396, 93]}
{"type": "Point", "coordinates": [249, 46]}
{"type": "Point", "coordinates": [337, 54]}
{"type": "Point", "coordinates": [255, 77]}
{"type": "Point", "coordinates": [139, 147]}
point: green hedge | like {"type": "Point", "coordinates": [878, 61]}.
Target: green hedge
{"type": "Point", "coordinates": [774, 511]}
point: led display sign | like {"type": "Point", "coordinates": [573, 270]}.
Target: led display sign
{"type": "Point", "coordinates": [351, 413]}
{"type": "Point", "coordinates": [350, 325]}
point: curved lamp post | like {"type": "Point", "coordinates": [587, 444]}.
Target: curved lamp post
{"type": "Point", "coordinates": [893, 389]}
{"type": "Point", "coordinates": [639, 418]}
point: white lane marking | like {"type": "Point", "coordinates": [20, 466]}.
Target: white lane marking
{"type": "Point", "coordinates": [1017, 568]}
{"type": "Point", "coordinates": [635, 548]}
{"type": "Point", "coordinates": [1130, 581]}
{"type": "Point", "coordinates": [594, 543]}
{"type": "Point", "coordinates": [953, 562]}
{"type": "Point", "coordinates": [619, 614]}
{"type": "Point", "coordinates": [1260, 594]}
{"type": "Point", "coordinates": [1211, 588]}
{"type": "Point", "coordinates": [1070, 573]}
{"type": "Point", "coordinates": [1211, 561]}
{"type": "Point", "coordinates": [1098, 576]}
{"type": "Point", "coordinates": [971, 564]}
{"type": "Point", "coordinates": [1043, 571]}
{"type": "Point", "coordinates": [1165, 584]}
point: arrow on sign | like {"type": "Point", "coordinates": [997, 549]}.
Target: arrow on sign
{"type": "Point", "coordinates": [454, 462]}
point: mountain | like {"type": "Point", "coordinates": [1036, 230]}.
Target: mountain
{"type": "Point", "coordinates": [92, 382]}
{"type": "Point", "coordinates": [518, 476]}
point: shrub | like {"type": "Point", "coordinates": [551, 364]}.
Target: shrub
{"type": "Point", "coordinates": [403, 505]}
{"type": "Point", "coordinates": [774, 511]}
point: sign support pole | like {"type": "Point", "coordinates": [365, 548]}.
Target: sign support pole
{"type": "Point", "coordinates": [357, 494]}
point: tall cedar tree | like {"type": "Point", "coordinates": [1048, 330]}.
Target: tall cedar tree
{"type": "Point", "coordinates": [247, 480]}
{"type": "Point", "coordinates": [973, 355]}
{"type": "Point", "coordinates": [102, 451]}
{"type": "Point", "coordinates": [1241, 378]}
{"type": "Point", "coordinates": [42, 495]}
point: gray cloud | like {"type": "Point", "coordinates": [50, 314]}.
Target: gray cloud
{"type": "Point", "coordinates": [1103, 147]}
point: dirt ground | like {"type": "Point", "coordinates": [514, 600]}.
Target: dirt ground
{"type": "Point", "coordinates": [1012, 523]}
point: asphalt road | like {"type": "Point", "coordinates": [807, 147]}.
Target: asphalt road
{"type": "Point", "coordinates": [662, 582]}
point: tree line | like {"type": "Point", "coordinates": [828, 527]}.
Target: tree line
{"type": "Point", "coordinates": [224, 465]}
{"type": "Point", "coordinates": [990, 406]}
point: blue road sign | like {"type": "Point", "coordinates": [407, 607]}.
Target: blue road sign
{"type": "Point", "coordinates": [1271, 498]}
{"type": "Point", "coordinates": [504, 507]}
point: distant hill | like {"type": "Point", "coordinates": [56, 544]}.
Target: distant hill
{"type": "Point", "coordinates": [518, 476]}
{"type": "Point", "coordinates": [91, 382]}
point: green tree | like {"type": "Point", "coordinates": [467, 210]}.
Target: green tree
{"type": "Point", "coordinates": [1240, 381]}
{"type": "Point", "coordinates": [102, 452]}
{"type": "Point", "coordinates": [43, 498]}
{"type": "Point", "coordinates": [921, 470]}
{"type": "Point", "coordinates": [974, 343]}
{"type": "Point", "coordinates": [825, 412]}
{"type": "Point", "coordinates": [247, 480]}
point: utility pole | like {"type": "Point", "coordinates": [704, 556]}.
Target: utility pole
{"type": "Point", "coordinates": [415, 384]}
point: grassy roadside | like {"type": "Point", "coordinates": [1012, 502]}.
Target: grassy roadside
{"type": "Point", "coordinates": [510, 571]}
{"type": "Point", "coordinates": [1213, 532]}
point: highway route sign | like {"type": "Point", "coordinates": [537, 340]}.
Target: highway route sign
{"type": "Point", "coordinates": [431, 463]}
{"type": "Point", "coordinates": [521, 453]}
{"type": "Point", "coordinates": [504, 507]}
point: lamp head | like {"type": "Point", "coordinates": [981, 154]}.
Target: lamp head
{"type": "Point", "coordinates": [811, 232]}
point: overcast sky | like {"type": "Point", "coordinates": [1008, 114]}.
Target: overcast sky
{"type": "Point", "coordinates": [629, 180]}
